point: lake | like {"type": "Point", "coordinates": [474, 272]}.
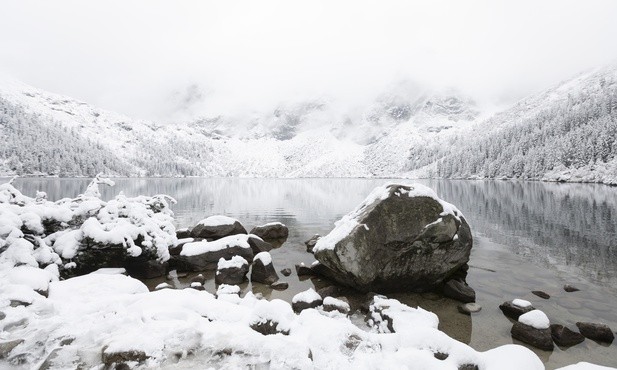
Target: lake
{"type": "Point", "coordinates": [527, 236]}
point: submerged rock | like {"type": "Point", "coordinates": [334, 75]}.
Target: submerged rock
{"type": "Point", "coordinates": [565, 337]}
{"type": "Point", "coordinates": [469, 308]}
{"type": "Point", "coordinates": [599, 332]}
{"type": "Point", "coordinates": [216, 227]}
{"type": "Point", "coordinates": [460, 291]}
{"type": "Point", "coordinates": [271, 231]}
{"type": "Point", "coordinates": [541, 294]}
{"type": "Point", "coordinates": [401, 238]}
{"type": "Point", "coordinates": [279, 285]}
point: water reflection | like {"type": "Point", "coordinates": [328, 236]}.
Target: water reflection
{"type": "Point", "coordinates": [564, 227]}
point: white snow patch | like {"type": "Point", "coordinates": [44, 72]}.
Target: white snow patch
{"type": "Point", "coordinates": [264, 257]}
{"type": "Point", "coordinates": [197, 248]}
{"type": "Point", "coordinates": [217, 220]}
{"type": "Point", "coordinates": [521, 303]}
{"type": "Point", "coordinates": [234, 262]}
{"type": "Point", "coordinates": [536, 319]}
{"type": "Point", "coordinates": [309, 295]}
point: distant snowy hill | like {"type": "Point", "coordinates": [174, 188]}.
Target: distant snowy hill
{"type": "Point", "coordinates": [565, 133]}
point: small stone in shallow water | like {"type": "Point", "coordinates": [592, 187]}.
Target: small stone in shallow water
{"type": "Point", "coordinates": [469, 308]}
{"type": "Point", "coordinates": [514, 311]}
{"type": "Point", "coordinates": [541, 294]}
{"type": "Point", "coordinates": [570, 288]}
{"type": "Point", "coordinates": [279, 285]}
{"type": "Point", "coordinates": [460, 291]}
{"type": "Point", "coordinates": [286, 272]}
{"type": "Point", "coordinates": [564, 337]}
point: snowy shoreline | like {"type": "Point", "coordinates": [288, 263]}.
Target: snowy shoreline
{"type": "Point", "coordinates": [101, 317]}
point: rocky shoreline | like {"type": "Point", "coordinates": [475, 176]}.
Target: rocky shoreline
{"type": "Point", "coordinates": [221, 248]}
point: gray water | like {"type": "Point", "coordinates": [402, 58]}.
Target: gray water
{"type": "Point", "coordinates": [527, 236]}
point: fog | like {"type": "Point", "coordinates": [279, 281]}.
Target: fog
{"type": "Point", "coordinates": [170, 60]}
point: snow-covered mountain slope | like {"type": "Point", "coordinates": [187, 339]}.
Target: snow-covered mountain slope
{"type": "Point", "coordinates": [308, 139]}
{"type": "Point", "coordinates": [566, 133]}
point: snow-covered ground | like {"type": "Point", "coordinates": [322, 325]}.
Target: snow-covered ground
{"type": "Point", "coordinates": [105, 316]}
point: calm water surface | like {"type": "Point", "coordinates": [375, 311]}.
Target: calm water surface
{"type": "Point", "coordinates": [527, 236]}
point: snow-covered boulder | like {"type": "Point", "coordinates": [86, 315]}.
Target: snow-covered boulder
{"type": "Point", "coordinates": [271, 231]}
{"type": "Point", "coordinates": [400, 238]}
{"type": "Point", "coordinates": [204, 255]}
{"type": "Point", "coordinates": [232, 271]}
{"type": "Point", "coordinates": [515, 308]}
{"type": "Point", "coordinates": [341, 305]}
{"type": "Point", "coordinates": [216, 227]}
{"type": "Point", "coordinates": [306, 299]}
{"type": "Point", "coordinates": [533, 328]}
{"type": "Point", "coordinates": [310, 244]}
{"type": "Point", "coordinates": [262, 270]}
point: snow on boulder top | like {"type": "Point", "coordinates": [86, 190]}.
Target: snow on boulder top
{"type": "Point", "coordinates": [521, 303]}
{"type": "Point", "coordinates": [227, 289]}
{"type": "Point", "coordinates": [331, 301]}
{"type": "Point", "coordinates": [308, 296]}
{"type": "Point", "coordinates": [272, 224]}
{"type": "Point", "coordinates": [234, 262]}
{"type": "Point", "coordinates": [197, 248]}
{"type": "Point", "coordinates": [349, 222]}
{"type": "Point", "coordinates": [110, 270]}
{"type": "Point", "coordinates": [217, 220]}
{"type": "Point", "coordinates": [264, 257]}
{"type": "Point", "coordinates": [536, 319]}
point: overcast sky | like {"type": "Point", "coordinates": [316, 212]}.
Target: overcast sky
{"type": "Point", "coordinates": [140, 57]}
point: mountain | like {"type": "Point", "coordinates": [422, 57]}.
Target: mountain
{"type": "Point", "coordinates": [566, 133]}
{"type": "Point", "coordinates": [306, 139]}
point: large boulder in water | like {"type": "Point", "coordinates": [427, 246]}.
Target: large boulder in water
{"type": "Point", "coordinates": [401, 238]}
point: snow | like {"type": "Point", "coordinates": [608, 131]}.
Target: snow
{"type": "Point", "coordinates": [272, 224]}
{"type": "Point", "coordinates": [309, 295]}
{"type": "Point", "coordinates": [521, 303]}
{"type": "Point", "coordinates": [234, 262]}
{"type": "Point", "coordinates": [585, 366]}
{"type": "Point", "coordinates": [264, 257]}
{"type": "Point", "coordinates": [227, 289]}
{"type": "Point", "coordinates": [201, 247]}
{"type": "Point", "coordinates": [536, 319]}
{"type": "Point", "coordinates": [111, 271]}
{"type": "Point", "coordinates": [331, 301]}
{"type": "Point", "coordinates": [217, 220]}
{"type": "Point", "coordinates": [346, 225]}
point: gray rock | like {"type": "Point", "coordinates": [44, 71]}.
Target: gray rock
{"type": "Point", "coordinates": [336, 304]}
{"type": "Point", "coordinates": [469, 308]}
{"type": "Point", "coordinates": [218, 231]}
{"type": "Point", "coordinates": [2, 315]}
{"type": "Point", "coordinates": [286, 272]}
{"type": "Point", "coordinates": [565, 337]}
{"type": "Point", "coordinates": [299, 305]}
{"type": "Point", "coordinates": [541, 294]}
{"type": "Point", "coordinates": [539, 338]}
{"type": "Point", "coordinates": [400, 243]}
{"type": "Point", "coordinates": [231, 275]}
{"type": "Point", "coordinates": [303, 270]}
{"type": "Point", "coordinates": [570, 288]}
{"type": "Point", "coordinates": [459, 291]}
{"type": "Point", "coordinates": [598, 332]}
{"type": "Point", "coordinates": [273, 231]}
{"type": "Point", "coordinates": [258, 245]}
{"type": "Point", "coordinates": [183, 233]}
{"type": "Point", "coordinates": [468, 367]}
{"type": "Point", "coordinates": [209, 260]}
{"type": "Point", "coordinates": [279, 285]}
{"type": "Point", "coordinates": [263, 273]}
{"type": "Point", "coordinates": [512, 311]}
{"type": "Point", "coordinates": [115, 358]}
{"type": "Point", "coordinates": [329, 291]}
{"type": "Point", "coordinates": [8, 346]}
{"type": "Point", "coordinates": [268, 327]}
{"type": "Point", "coordinates": [198, 279]}
{"type": "Point", "coordinates": [310, 244]}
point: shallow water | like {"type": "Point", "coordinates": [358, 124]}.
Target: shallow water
{"type": "Point", "coordinates": [527, 236]}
